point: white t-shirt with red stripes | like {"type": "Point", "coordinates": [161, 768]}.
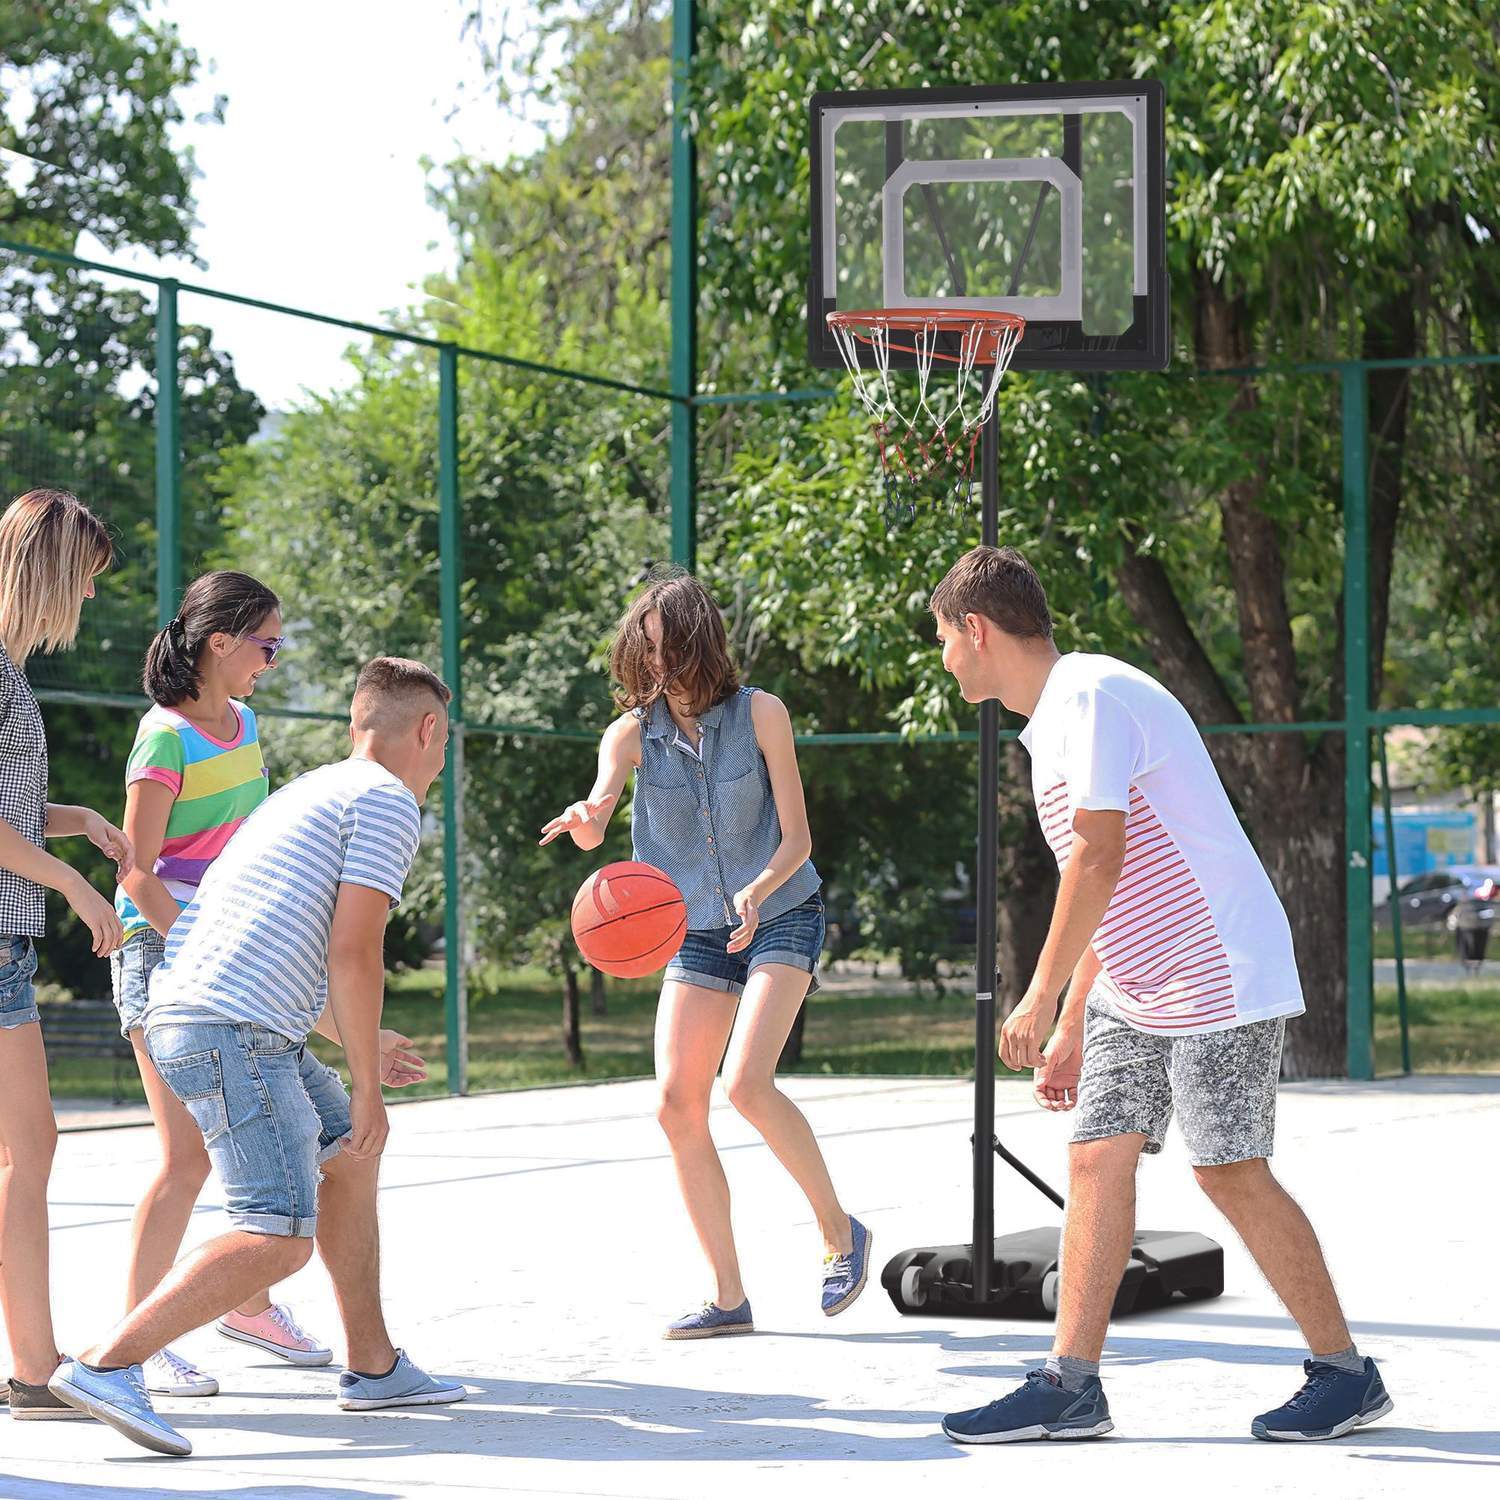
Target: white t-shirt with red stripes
{"type": "Point", "coordinates": [1194, 939]}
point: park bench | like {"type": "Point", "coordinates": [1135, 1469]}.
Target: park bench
{"type": "Point", "coordinates": [87, 1028]}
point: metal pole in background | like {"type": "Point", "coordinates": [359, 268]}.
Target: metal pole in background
{"type": "Point", "coordinates": [987, 855]}
{"type": "Point", "coordinates": [450, 578]}
{"type": "Point", "coordinates": [684, 381]}
{"type": "Point", "coordinates": [1393, 903]}
{"type": "Point", "coordinates": [1354, 380]}
{"type": "Point", "coordinates": [168, 456]}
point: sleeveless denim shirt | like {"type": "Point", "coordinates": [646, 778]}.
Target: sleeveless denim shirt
{"type": "Point", "coordinates": [711, 825]}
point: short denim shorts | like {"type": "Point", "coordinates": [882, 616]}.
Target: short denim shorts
{"type": "Point", "coordinates": [17, 995]}
{"type": "Point", "coordinates": [130, 974]}
{"type": "Point", "coordinates": [794, 938]}
{"type": "Point", "coordinates": [270, 1114]}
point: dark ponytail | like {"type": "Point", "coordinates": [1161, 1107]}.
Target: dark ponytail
{"type": "Point", "coordinates": [231, 603]}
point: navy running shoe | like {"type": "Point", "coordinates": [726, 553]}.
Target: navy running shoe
{"type": "Point", "coordinates": [1038, 1408]}
{"type": "Point", "coordinates": [1330, 1403]}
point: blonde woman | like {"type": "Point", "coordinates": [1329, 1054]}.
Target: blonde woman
{"type": "Point", "coordinates": [51, 550]}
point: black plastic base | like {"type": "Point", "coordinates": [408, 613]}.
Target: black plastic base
{"type": "Point", "coordinates": [1165, 1266]}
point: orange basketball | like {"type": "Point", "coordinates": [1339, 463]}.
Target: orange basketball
{"type": "Point", "coordinates": [629, 919]}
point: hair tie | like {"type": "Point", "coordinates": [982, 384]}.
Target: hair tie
{"type": "Point", "coordinates": [177, 630]}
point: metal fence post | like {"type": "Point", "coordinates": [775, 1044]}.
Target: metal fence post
{"type": "Point", "coordinates": [684, 292]}
{"type": "Point", "coordinates": [450, 578]}
{"type": "Point", "coordinates": [168, 457]}
{"type": "Point", "coordinates": [1354, 380]}
{"type": "Point", "coordinates": [1393, 870]}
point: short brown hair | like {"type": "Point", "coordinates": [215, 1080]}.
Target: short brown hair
{"type": "Point", "coordinates": [694, 645]}
{"type": "Point", "coordinates": [51, 544]}
{"type": "Point", "coordinates": [998, 583]}
{"type": "Point", "coordinates": [392, 690]}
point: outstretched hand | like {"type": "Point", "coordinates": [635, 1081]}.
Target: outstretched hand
{"type": "Point", "coordinates": [399, 1065]}
{"type": "Point", "coordinates": [577, 815]}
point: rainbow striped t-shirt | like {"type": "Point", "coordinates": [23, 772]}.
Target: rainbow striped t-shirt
{"type": "Point", "coordinates": [216, 785]}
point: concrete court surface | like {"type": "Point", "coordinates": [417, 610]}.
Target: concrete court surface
{"type": "Point", "coordinates": [535, 1247]}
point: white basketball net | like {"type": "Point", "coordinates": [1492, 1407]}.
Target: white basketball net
{"type": "Point", "coordinates": [940, 435]}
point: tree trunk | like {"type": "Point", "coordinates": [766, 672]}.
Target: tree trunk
{"type": "Point", "coordinates": [1291, 797]}
{"type": "Point", "coordinates": [596, 993]}
{"type": "Point", "coordinates": [791, 1052]}
{"type": "Point", "coordinates": [1027, 883]}
{"type": "Point", "coordinates": [1302, 847]}
{"type": "Point", "coordinates": [572, 1041]}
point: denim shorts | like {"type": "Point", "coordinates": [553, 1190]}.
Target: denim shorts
{"type": "Point", "coordinates": [130, 972]}
{"type": "Point", "coordinates": [270, 1114]}
{"type": "Point", "coordinates": [794, 938]}
{"type": "Point", "coordinates": [17, 969]}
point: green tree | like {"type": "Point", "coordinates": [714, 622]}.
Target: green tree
{"type": "Point", "coordinates": [89, 94]}
{"type": "Point", "coordinates": [1333, 177]}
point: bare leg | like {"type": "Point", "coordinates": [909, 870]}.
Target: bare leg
{"type": "Point", "coordinates": [1097, 1233]}
{"type": "Point", "coordinates": [28, 1140]}
{"type": "Point", "coordinates": [349, 1244]}
{"type": "Point", "coordinates": [770, 1004]}
{"type": "Point", "coordinates": [1276, 1232]}
{"type": "Point", "coordinates": [692, 1027]}
{"type": "Point", "coordinates": [162, 1217]}
{"type": "Point", "coordinates": [213, 1279]}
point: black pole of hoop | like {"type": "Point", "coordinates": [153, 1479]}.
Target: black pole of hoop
{"type": "Point", "coordinates": [986, 971]}
{"type": "Point", "coordinates": [1017, 1274]}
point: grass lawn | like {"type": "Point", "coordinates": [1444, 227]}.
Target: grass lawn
{"type": "Point", "coordinates": [515, 1034]}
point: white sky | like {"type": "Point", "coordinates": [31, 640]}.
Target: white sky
{"type": "Point", "coordinates": [312, 190]}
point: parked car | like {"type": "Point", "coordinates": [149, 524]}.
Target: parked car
{"type": "Point", "coordinates": [1433, 897]}
{"type": "Point", "coordinates": [1471, 921]}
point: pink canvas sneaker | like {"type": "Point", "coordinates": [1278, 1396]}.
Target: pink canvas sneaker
{"type": "Point", "coordinates": [275, 1331]}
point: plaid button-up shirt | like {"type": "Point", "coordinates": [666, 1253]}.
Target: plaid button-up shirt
{"type": "Point", "coordinates": [23, 796]}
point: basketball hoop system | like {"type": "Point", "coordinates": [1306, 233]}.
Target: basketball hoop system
{"type": "Point", "coordinates": [931, 451]}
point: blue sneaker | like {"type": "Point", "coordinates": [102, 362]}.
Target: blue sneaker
{"type": "Point", "coordinates": [1039, 1408]}
{"type": "Point", "coordinates": [119, 1398]}
{"type": "Point", "coordinates": [844, 1276]}
{"type": "Point", "coordinates": [1330, 1403]}
{"type": "Point", "coordinates": [406, 1385]}
{"type": "Point", "coordinates": [711, 1320]}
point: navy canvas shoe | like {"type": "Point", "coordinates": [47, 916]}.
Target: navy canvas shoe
{"type": "Point", "coordinates": [844, 1276]}
{"type": "Point", "coordinates": [1038, 1408]}
{"type": "Point", "coordinates": [1330, 1403]}
{"type": "Point", "coordinates": [711, 1320]}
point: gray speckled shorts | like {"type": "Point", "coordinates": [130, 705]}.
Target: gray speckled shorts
{"type": "Point", "coordinates": [1222, 1085]}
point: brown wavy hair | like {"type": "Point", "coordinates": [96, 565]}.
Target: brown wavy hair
{"type": "Point", "coordinates": [695, 648]}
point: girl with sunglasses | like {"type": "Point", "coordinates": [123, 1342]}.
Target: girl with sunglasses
{"type": "Point", "coordinates": [195, 774]}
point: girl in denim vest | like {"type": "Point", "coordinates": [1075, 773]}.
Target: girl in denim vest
{"type": "Point", "coordinates": [52, 547]}
{"type": "Point", "coordinates": [719, 807]}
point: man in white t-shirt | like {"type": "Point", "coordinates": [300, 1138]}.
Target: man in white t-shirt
{"type": "Point", "coordinates": [1178, 960]}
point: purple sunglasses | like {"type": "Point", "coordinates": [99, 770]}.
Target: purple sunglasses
{"type": "Point", "coordinates": [271, 646]}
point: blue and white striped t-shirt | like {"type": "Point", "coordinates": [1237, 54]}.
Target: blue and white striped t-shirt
{"type": "Point", "coordinates": [252, 945]}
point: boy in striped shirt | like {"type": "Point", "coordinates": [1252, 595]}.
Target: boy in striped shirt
{"type": "Point", "coordinates": [288, 920]}
{"type": "Point", "coordinates": [1182, 979]}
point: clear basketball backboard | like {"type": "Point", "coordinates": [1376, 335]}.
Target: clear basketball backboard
{"type": "Point", "coordinates": [1041, 200]}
